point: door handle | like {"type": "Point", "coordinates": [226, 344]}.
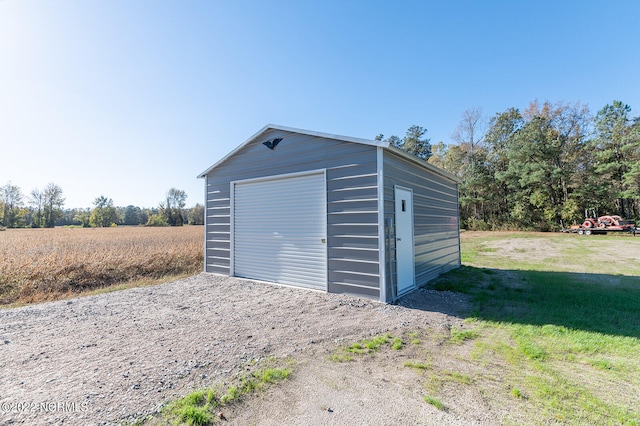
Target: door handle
{"type": "Point", "coordinates": [398, 239]}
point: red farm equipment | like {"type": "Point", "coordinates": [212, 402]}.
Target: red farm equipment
{"type": "Point", "coordinates": [594, 224]}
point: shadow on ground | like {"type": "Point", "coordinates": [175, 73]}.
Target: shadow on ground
{"type": "Point", "coordinates": [451, 303]}
{"type": "Point", "coordinates": [608, 304]}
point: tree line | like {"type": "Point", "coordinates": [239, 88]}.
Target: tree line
{"type": "Point", "coordinates": [45, 209]}
{"type": "Point", "coordinates": [540, 168]}
{"type": "Point", "coordinates": [537, 169]}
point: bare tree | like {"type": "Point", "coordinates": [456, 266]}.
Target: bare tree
{"type": "Point", "coordinates": [470, 137]}
{"type": "Point", "coordinates": [470, 131]}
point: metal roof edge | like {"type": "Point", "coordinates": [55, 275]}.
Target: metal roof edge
{"type": "Point", "coordinates": [371, 142]}
{"type": "Point", "coordinates": [424, 163]}
{"type": "Point", "coordinates": [236, 149]}
{"type": "Point", "coordinates": [351, 139]}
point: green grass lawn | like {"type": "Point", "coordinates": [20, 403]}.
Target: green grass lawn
{"type": "Point", "coordinates": [561, 315]}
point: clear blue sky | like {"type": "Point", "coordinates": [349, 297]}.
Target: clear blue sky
{"type": "Point", "coordinates": [130, 98]}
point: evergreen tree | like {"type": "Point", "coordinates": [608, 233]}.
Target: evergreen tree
{"type": "Point", "coordinates": [616, 146]}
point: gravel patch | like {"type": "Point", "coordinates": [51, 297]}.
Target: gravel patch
{"type": "Point", "coordinates": [106, 358]}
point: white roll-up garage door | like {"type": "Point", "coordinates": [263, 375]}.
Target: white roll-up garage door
{"type": "Point", "coordinates": [280, 230]}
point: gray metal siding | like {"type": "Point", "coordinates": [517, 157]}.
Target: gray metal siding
{"type": "Point", "coordinates": [436, 219]}
{"type": "Point", "coordinates": [352, 216]}
{"type": "Point", "coordinates": [217, 226]}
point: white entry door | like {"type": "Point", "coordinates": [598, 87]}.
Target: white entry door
{"type": "Point", "coordinates": [405, 265]}
{"type": "Point", "coordinates": [280, 230]}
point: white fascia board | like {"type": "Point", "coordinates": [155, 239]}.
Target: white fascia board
{"type": "Point", "coordinates": [295, 130]}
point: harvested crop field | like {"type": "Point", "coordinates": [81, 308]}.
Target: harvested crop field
{"type": "Point", "coordinates": [48, 264]}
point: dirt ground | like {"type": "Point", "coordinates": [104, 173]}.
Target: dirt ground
{"type": "Point", "coordinates": [120, 356]}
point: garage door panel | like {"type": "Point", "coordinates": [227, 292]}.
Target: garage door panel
{"type": "Point", "coordinates": [297, 273]}
{"type": "Point", "coordinates": [301, 256]}
{"type": "Point", "coordinates": [280, 230]}
{"type": "Point", "coordinates": [274, 254]}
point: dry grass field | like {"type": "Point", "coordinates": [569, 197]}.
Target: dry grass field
{"type": "Point", "coordinates": [46, 264]}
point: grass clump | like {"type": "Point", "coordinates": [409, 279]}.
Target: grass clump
{"type": "Point", "coordinates": [192, 415]}
{"type": "Point", "coordinates": [340, 356]}
{"type": "Point", "coordinates": [272, 375]}
{"type": "Point", "coordinates": [463, 379]}
{"type": "Point", "coordinates": [601, 364]}
{"type": "Point", "coordinates": [196, 408]}
{"type": "Point", "coordinates": [397, 344]}
{"type": "Point", "coordinates": [368, 346]}
{"type": "Point", "coordinates": [417, 365]}
{"type": "Point", "coordinates": [365, 347]}
{"type": "Point", "coordinates": [415, 337]}
{"type": "Point", "coordinates": [435, 402]}
{"type": "Point", "coordinates": [459, 336]}
{"type": "Point", "coordinates": [516, 393]}
{"type": "Point", "coordinates": [193, 408]}
{"type": "Point", "coordinates": [233, 394]}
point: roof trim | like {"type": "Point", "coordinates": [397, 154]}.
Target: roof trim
{"type": "Point", "coordinates": [351, 139]}
{"type": "Point", "coordinates": [294, 130]}
{"type": "Point", "coordinates": [425, 164]}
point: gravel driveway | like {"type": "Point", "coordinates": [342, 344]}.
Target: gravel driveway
{"type": "Point", "coordinates": [106, 358]}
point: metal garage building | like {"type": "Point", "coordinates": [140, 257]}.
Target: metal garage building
{"type": "Point", "coordinates": [332, 213]}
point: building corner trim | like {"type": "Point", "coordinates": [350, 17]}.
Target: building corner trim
{"type": "Point", "coordinates": [382, 252]}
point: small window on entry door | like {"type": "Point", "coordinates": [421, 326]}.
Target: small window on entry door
{"type": "Point", "coordinates": [404, 205]}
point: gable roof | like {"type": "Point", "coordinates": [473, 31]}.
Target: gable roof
{"type": "Point", "coordinates": [351, 139]}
